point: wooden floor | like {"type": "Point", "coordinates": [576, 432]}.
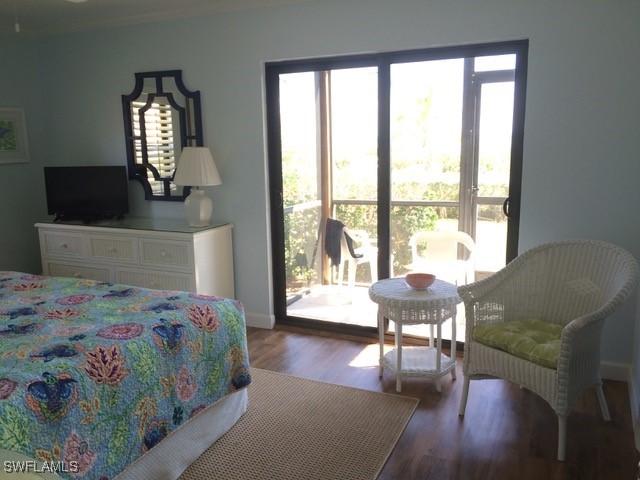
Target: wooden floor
{"type": "Point", "coordinates": [507, 433]}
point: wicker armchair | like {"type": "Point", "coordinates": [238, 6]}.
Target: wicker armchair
{"type": "Point", "coordinates": [574, 284]}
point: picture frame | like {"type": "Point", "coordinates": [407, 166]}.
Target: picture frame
{"type": "Point", "coordinates": [14, 147]}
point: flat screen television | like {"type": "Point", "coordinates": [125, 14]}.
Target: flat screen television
{"type": "Point", "coordinates": [87, 193]}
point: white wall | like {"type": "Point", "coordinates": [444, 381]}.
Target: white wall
{"type": "Point", "coordinates": [581, 141]}
{"type": "Point", "coordinates": [21, 185]}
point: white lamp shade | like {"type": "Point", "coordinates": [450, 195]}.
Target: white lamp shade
{"type": "Point", "coordinates": [196, 168]}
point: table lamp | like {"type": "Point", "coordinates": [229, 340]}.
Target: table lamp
{"type": "Point", "coordinates": [196, 168]}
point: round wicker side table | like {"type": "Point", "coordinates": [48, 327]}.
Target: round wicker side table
{"type": "Point", "coordinates": [405, 306]}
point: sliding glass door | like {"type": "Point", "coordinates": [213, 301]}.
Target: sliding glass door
{"type": "Point", "coordinates": [329, 131]}
{"type": "Point", "coordinates": [415, 156]}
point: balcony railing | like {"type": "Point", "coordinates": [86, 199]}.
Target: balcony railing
{"type": "Point", "coordinates": [303, 233]}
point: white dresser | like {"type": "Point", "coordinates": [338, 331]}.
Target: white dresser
{"type": "Point", "coordinates": [158, 254]}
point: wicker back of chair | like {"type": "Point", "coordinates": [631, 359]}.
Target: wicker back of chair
{"type": "Point", "coordinates": [558, 282]}
{"type": "Point", "coordinates": [584, 276]}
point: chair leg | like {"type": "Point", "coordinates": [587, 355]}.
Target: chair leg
{"type": "Point", "coordinates": [562, 437]}
{"type": "Point", "coordinates": [603, 403]}
{"type": "Point", "coordinates": [398, 357]}
{"type": "Point", "coordinates": [341, 272]}
{"type": "Point", "coordinates": [381, 340]}
{"type": "Point", "coordinates": [352, 273]}
{"type": "Point", "coordinates": [373, 265]}
{"type": "Point", "coordinates": [465, 394]}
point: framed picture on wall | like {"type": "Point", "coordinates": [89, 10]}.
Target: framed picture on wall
{"type": "Point", "coordinates": [13, 136]}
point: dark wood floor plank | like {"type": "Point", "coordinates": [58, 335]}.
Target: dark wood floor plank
{"type": "Point", "coordinates": [507, 433]}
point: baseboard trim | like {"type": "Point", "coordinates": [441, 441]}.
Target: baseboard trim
{"type": "Point", "coordinates": [614, 371]}
{"type": "Point", "coordinates": [634, 399]}
{"type": "Point", "coordinates": [260, 320]}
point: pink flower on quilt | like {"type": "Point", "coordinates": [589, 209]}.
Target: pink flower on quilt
{"type": "Point", "coordinates": [75, 299]}
{"type": "Point", "coordinates": [77, 450]}
{"type": "Point", "coordinates": [186, 385]}
{"type": "Point", "coordinates": [122, 331]}
{"type": "Point", "coordinates": [61, 313]}
{"type": "Point", "coordinates": [25, 287]}
{"type": "Point", "coordinates": [105, 365]}
{"type": "Point", "coordinates": [204, 317]}
{"type": "Point", "coordinates": [6, 388]}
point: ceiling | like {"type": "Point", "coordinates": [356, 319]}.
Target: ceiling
{"type": "Point", "coordinates": [52, 16]}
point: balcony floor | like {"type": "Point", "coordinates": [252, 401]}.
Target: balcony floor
{"type": "Point", "coordinates": [341, 304]}
{"type": "Point", "coordinates": [337, 304]}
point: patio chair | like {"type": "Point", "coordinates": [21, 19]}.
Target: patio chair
{"type": "Point", "coordinates": [538, 322]}
{"type": "Point", "coordinates": [441, 255]}
{"type": "Point", "coordinates": [365, 252]}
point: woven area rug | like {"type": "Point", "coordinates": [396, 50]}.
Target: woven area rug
{"type": "Point", "coordinates": [298, 429]}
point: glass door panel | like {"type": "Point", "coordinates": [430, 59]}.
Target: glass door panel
{"type": "Point", "coordinates": [426, 121]}
{"type": "Point", "coordinates": [493, 173]}
{"type": "Point", "coordinates": [301, 189]}
{"type": "Point", "coordinates": [491, 240]}
{"type": "Point", "coordinates": [494, 146]}
{"type": "Point", "coordinates": [329, 148]}
{"type": "Point", "coordinates": [354, 134]}
{"type": "Point", "coordinates": [426, 116]}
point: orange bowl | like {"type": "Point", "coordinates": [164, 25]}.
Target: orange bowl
{"type": "Point", "coordinates": [419, 281]}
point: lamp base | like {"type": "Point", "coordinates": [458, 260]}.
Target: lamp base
{"type": "Point", "coordinates": [198, 208]}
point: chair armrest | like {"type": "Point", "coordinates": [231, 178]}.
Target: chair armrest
{"type": "Point", "coordinates": [579, 360]}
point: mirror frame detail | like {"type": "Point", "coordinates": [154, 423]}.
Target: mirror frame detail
{"type": "Point", "coordinates": [190, 129]}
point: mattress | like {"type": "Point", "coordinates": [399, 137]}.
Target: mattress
{"type": "Point", "coordinates": [96, 375]}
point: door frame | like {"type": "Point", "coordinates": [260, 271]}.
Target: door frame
{"type": "Point", "coordinates": [469, 198]}
{"type": "Point", "coordinates": [383, 62]}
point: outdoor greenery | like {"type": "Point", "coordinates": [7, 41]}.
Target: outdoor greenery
{"type": "Point", "coordinates": [425, 167]}
{"type": "Point", "coordinates": [301, 242]}
{"type": "Point", "coordinates": [301, 228]}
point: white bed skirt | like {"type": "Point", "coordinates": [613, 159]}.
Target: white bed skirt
{"type": "Point", "coordinates": [172, 456]}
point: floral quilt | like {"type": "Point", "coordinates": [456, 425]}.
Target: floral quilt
{"type": "Point", "coordinates": [95, 374]}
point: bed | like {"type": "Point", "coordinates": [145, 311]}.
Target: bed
{"type": "Point", "coordinates": [116, 381]}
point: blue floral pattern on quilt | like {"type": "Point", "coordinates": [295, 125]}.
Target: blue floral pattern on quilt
{"type": "Point", "coordinates": [97, 374]}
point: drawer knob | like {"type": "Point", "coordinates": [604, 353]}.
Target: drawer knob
{"type": "Point", "coordinates": [164, 254]}
{"type": "Point", "coordinates": [113, 250]}
{"type": "Point", "coordinates": [64, 246]}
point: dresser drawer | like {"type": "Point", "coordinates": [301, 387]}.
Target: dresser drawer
{"type": "Point", "coordinates": [57, 269]}
{"type": "Point", "coordinates": [122, 249]}
{"type": "Point", "coordinates": [63, 244]}
{"type": "Point", "coordinates": [155, 280]}
{"type": "Point", "coordinates": [167, 253]}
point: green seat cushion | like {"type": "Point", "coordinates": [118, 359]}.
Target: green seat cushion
{"type": "Point", "coordinates": [532, 340]}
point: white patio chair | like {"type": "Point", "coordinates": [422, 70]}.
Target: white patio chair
{"type": "Point", "coordinates": [563, 292]}
{"type": "Point", "coordinates": [440, 256]}
{"type": "Point", "coordinates": [365, 247]}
